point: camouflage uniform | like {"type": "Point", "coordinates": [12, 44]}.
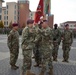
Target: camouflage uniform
{"type": "Point", "coordinates": [66, 43]}
{"type": "Point", "coordinates": [13, 44]}
{"type": "Point", "coordinates": [27, 47]}
{"type": "Point", "coordinates": [46, 47]}
{"type": "Point", "coordinates": [37, 45]}
{"type": "Point", "coordinates": [56, 42]}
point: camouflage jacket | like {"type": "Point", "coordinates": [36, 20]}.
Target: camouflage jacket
{"type": "Point", "coordinates": [13, 39]}
{"type": "Point", "coordinates": [37, 35]}
{"type": "Point", "coordinates": [28, 36]}
{"type": "Point", "coordinates": [67, 37]}
{"type": "Point", "coordinates": [57, 35]}
{"type": "Point", "coordinates": [47, 37]}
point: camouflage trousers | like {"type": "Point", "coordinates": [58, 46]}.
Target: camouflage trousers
{"type": "Point", "coordinates": [46, 56]}
{"type": "Point", "coordinates": [14, 56]}
{"type": "Point", "coordinates": [66, 50]}
{"type": "Point", "coordinates": [27, 54]}
{"type": "Point", "coordinates": [37, 54]}
{"type": "Point", "coordinates": [55, 50]}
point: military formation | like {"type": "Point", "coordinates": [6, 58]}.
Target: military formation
{"type": "Point", "coordinates": [43, 42]}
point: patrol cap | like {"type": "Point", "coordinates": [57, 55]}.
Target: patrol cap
{"type": "Point", "coordinates": [30, 21]}
{"type": "Point", "coordinates": [66, 25]}
{"type": "Point", "coordinates": [15, 24]}
{"type": "Point", "coordinates": [56, 25]}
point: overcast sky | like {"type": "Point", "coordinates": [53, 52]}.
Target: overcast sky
{"type": "Point", "coordinates": [63, 10]}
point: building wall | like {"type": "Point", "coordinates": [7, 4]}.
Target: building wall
{"type": "Point", "coordinates": [4, 16]}
{"type": "Point", "coordinates": [51, 21]}
{"type": "Point", "coordinates": [23, 12]}
{"type": "Point", "coordinates": [11, 12]}
{"type": "Point", "coordinates": [71, 25]}
{"type": "Point", "coordinates": [0, 10]}
{"type": "Point", "coordinates": [32, 15]}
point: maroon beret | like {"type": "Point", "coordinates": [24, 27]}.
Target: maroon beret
{"type": "Point", "coordinates": [30, 21]}
{"type": "Point", "coordinates": [15, 24]}
{"type": "Point", "coordinates": [66, 25]}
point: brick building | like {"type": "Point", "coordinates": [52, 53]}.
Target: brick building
{"type": "Point", "coordinates": [23, 12]}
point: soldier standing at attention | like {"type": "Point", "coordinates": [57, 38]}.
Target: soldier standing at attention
{"type": "Point", "coordinates": [56, 41]}
{"type": "Point", "coordinates": [27, 47]}
{"type": "Point", "coordinates": [67, 40]}
{"type": "Point", "coordinates": [46, 48]}
{"type": "Point", "coordinates": [13, 45]}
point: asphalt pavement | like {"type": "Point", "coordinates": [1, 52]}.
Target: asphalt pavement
{"type": "Point", "coordinates": [60, 68]}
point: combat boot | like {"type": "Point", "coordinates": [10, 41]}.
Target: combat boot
{"type": "Point", "coordinates": [64, 60]}
{"type": "Point", "coordinates": [17, 66]}
{"type": "Point", "coordinates": [67, 61]}
{"type": "Point", "coordinates": [55, 58]}
{"type": "Point", "coordinates": [33, 57]}
{"type": "Point", "coordinates": [41, 73]}
{"type": "Point", "coordinates": [29, 73]}
{"type": "Point", "coordinates": [22, 73]}
{"type": "Point", "coordinates": [14, 67]}
{"type": "Point", "coordinates": [38, 65]}
{"type": "Point", "coordinates": [51, 72]}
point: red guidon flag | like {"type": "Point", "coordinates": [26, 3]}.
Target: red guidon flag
{"type": "Point", "coordinates": [39, 11]}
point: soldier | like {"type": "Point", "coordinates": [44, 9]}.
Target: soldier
{"type": "Point", "coordinates": [27, 47]}
{"type": "Point", "coordinates": [13, 45]}
{"type": "Point", "coordinates": [56, 41]}
{"type": "Point", "coordinates": [46, 47]}
{"type": "Point", "coordinates": [37, 45]}
{"type": "Point", "coordinates": [67, 40]}
{"type": "Point", "coordinates": [37, 26]}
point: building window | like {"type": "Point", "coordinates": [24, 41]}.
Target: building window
{"type": "Point", "coordinates": [15, 6]}
{"type": "Point", "coordinates": [4, 12]}
{"type": "Point", "coordinates": [4, 17]}
{"type": "Point", "coordinates": [14, 17]}
{"type": "Point", "coordinates": [0, 17]}
{"type": "Point", "coordinates": [18, 18]}
{"type": "Point", "coordinates": [7, 12]}
{"type": "Point", "coordinates": [18, 12]}
{"type": "Point", "coordinates": [7, 17]}
{"type": "Point", "coordinates": [4, 23]}
{"type": "Point", "coordinates": [70, 25]}
{"type": "Point", "coordinates": [0, 10]}
{"type": "Point", "coordinates": [15, 12]}
{"type": "Point", "coordinates": [7, 22]}
{"type": "Point", "coordinates": [75, 25]}
{"type": "Point", "coordinates": [7, 6]}
{"type": "Point", "coordinates": [31, 14]}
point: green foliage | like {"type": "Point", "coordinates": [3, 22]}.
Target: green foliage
{"type": "Point", "coordinates": [10, 24]}
{"type": "Point", "coordinates": [1, 24]}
